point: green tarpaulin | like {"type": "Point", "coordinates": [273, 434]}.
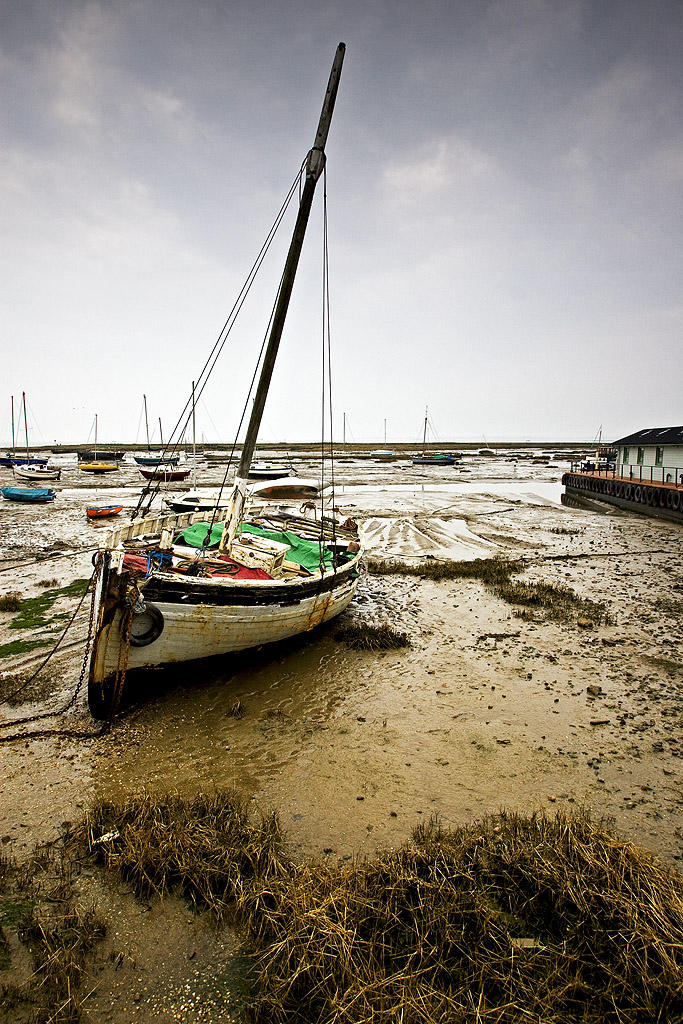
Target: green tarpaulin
{"type": "Point", "coordinates": [194, 535]}
{"type": "Point", "coordinates": [302, 552]}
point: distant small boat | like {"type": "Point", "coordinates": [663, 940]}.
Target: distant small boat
{"type": "Point", "coordinates": [286, 487]}
{"type": "Point", "coordinates": [29, 495]}
{"type": "Point", "coordinates": [103, 511]}
{"type": "Point", "coordinates": [11, 459]}
{"type": "Point", "coordinates": [267, 471]}
{"type": "Point", "coordinates": [90, 455]}
{"type": "Point", "coordinates": [382, 453]}
{"type": "Point", "coordinates": [192, 502]}
{"type": "Point", "coordinates": [35, 473]}
{"type": "Point", "coordinates": [435, 460]}
{"type": "Point", "coordinates": [157, 460]}
{"type": "Point", "coordinates": [14, 460]}
{"type": "Point", "coordinates": [162, 473]}
{"type": "Point", "coordinates": [99, 467]}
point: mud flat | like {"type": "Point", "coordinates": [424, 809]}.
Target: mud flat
{"type": "Point", "coordinates": [495, 704]}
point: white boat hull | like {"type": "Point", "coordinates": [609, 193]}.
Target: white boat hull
{"type": "Point", "coordinates": [35, 474]}
{"type": "Point", "coordinates": [235, 616]}
{"type": "Point", "coordinates": [286, 487]}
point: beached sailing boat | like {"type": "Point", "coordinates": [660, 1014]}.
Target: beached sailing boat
{"type": "Point", "coordinates": [437, 459]}
{"type": "Point", "coordinates": [98, 466]}
{"type": "Point", "coordinates": [155, 458]}
{"type": "Point", "coordinates": [10, 459]}
{"type": "Point", "coordinates": [30, 471]}
{"type": "Point", "coordinates": [174, 588]}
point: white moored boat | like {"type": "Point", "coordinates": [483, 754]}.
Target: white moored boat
{"type": "Point", "coordinates": [286, 487]}
{"type": "Point", "coordinates": [35, 473]}
{"type": "Point", "coordinates": [194, 585]}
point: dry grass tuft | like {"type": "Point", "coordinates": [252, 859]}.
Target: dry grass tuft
{"type": "Point", "coordinates": [556, 602]}
{"type": "Point", "coordinates": [432, 932]}
{"type": "Point", "coordinates": [10, 602]}
{"type": "Point", "coordinates": [511, 919]}
{"type": "Point", "coordinates": [372, 638]}
{"type": "Point", "coordinates": [37, 904]}
{"type": "Point", "coordinates": [560, 603]}
{"type": "Point", "coordinates": [207, 847]}
{"type": "Point", "coordinates": [488, 570]}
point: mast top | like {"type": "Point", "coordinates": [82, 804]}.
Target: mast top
{"type": "Point", "coordinates": [316, 156]}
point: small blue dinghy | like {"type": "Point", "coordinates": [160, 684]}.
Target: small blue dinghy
{"type": "Point", "coordinates": [31, 495]}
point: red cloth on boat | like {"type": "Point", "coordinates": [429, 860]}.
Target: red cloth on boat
{"type": "Point", "coordinates": [243, 572]}
{"type": "Point", "coordinates": [137, 564]}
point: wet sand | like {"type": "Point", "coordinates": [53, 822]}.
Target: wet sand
{"type": "Point", "coordinates": [485, 710]}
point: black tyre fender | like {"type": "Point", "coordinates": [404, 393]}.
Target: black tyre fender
{"type": "Point", "coordinates": [147, 626]}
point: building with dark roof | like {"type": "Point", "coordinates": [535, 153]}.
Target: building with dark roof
{"type": "Point", "coordinates": [654, 453]}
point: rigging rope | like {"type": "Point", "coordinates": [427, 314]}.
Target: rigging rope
{"type": "Point", "coordinates": [326, 366]}
{"type": "Point", "coordinates": [150, 492]}
{"type": "Point", "coordinates": [92, 585]}
{"type": "Point", "coordinates": [244, 413]}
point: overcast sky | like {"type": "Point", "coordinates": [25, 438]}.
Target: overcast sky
{"type": "Point", "coordinates": [504, 203]}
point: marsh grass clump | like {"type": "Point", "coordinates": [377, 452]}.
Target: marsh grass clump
{"type": "Point", "coordinates": [372, 638]}
{"type": "Point", "coordinates": [511, 919]}
{"type": "Point", "coordinates": [556, 602]}
{"type": "Point", "coordinates": [39, 909]}
{"type": "Point", "coordinates": [207, 848]}
{"type": "Point", "coordinates": [560, 603]}
{"type": "Point", "coordinates": [10, 602]}
{"type": "Point", "coordinates": [488, 570]}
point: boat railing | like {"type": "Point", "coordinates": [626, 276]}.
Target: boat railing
{"type": "Point", "coordinates": [669, 476]}
{"type": "Point", "coordinates": [149, 526]}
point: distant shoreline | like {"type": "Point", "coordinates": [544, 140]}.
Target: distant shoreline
{"type": "Point", "coordinates": [363, 447]}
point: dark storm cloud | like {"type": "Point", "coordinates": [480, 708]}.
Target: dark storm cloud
{"type": "Point", "coordinates": [504, 181]}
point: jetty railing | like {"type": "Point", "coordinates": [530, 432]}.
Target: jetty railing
{"type": "Point", "coordinates": [666, 476]}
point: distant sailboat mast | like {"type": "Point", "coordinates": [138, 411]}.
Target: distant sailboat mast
{"type": "Point", "coordinates": [23, 398]}
{"type": "Point", "coordinates": [144, 400]}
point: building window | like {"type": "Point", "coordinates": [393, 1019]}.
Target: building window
{"type": "Point", "coordinates": [641, 456]}
{"type": "Point", "coordinates": [625, 460]}
{"type": "Point", "coordinates": [659, 456]}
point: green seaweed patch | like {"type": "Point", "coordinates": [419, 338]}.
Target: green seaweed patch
{"type": "Point", "coordinates": [372, 638]}
{"type": "Point", "coordinates": [34, 609]}
{"type": "Point", "coordinates": [14, 910]}
{"type": "Point", "coordinates": [23, 646]}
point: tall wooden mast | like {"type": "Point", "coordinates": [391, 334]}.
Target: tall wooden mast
{"type": "Point", "coordinates": [314, 168]}
{"type": "Point", "coordinates": [315, 164]}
